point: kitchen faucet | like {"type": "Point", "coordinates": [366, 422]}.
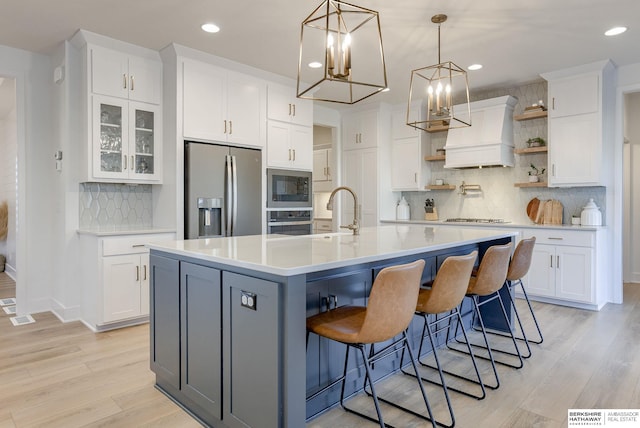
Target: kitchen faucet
{"type": "Point", "coordinates": [355, 226]}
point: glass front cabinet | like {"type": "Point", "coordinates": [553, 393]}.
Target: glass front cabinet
{"type": "Point", "coordinates": [125, 140]}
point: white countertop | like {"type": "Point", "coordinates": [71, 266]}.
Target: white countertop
{"type": "Point", "coordinates": [509, 225]}
{"type": "Point", "coordinates": [122, 230]}
{"type": "Point", "coordinates": [294, 255]}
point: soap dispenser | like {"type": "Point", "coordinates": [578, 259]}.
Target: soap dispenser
{"type": "Point", "coordinates": [403, 210]}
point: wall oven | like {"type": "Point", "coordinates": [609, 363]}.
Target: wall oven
{"type": "Point", "coordinates": [289, 222]}
{"type": "Point", "coordinates": [289, 189]}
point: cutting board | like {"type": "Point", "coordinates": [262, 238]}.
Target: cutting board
{"type": "Point", "coordinates": [532, 209]}
{"type": "Point", "coordinates": [552, 213]}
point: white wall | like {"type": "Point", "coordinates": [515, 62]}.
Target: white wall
{"type": "Point", "coordinates": [8, 157]}
{"type": "Point", "coordinates": [36, 198]}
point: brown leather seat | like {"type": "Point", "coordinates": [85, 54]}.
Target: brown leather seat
{"type": "Point", "coordinates": [443, 298]}
{"type": "Point", "coordinates": [391, 306]}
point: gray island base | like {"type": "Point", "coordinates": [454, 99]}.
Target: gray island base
{"type": "Point", "coordinates": [228, 315]}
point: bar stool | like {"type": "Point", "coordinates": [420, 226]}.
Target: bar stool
{"type": "Point", "coordinates": [491, 276]}
{"type": "Point", "coordinates": [392, 302]}
{"type": "Point", "coordinates": [443, 298]}
{"type": "Point", "coordinates": [518, 268]}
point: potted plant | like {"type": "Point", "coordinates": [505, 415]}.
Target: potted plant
{"type": "Point", "coordinates": [535, 173]}
{"type": "Point", "coordinates": [536, 142]}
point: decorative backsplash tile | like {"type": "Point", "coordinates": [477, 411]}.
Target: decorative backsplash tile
{"type": "Point", "coordinates": [106, 204]}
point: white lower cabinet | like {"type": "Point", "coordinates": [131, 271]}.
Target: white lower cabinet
{"type": "Point", "coordinates": [126, 287]}
{"type": "Point", "coordinates": [116, 279]}
{"type": "Point", "coordinates": [564, 267]}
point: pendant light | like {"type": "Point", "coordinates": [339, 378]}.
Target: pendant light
{"type": "Point", "coordinates": [437, 87]}
{"type": "Point", "coordinates": [341, 56]}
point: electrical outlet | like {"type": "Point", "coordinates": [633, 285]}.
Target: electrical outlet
{"type": "Point", "coordinates": [248, 300]}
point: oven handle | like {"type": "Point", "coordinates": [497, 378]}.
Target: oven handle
{"type": "Point", "coordinates": [288, 223]}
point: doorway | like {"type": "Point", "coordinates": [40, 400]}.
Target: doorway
{"type": "Point", "coordinates": [8, 175]}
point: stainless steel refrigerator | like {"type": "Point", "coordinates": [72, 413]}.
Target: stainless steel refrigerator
{"type": "Point", "coordinates": [223, 188]}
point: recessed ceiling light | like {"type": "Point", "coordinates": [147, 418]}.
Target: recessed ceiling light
{"type": "Point", "coordinates": [473, 67]}
{"type": "Point", "coordinates": [210, 28]}
{"type": "Point", "coordinates": [615, 31]}
{"type": "Point", "coordinates": [315, 64]}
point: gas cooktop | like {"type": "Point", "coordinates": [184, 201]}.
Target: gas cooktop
{"type": "Point", "coordinates": [475, 220]}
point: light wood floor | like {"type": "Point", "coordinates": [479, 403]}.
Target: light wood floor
{"type": "Point", "coordinates": [63, 375]}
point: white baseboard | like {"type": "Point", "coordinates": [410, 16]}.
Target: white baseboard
{"type": "Point", "coordinates": [10, 271]}
{"type": "Point", "coordinates": [63, 313]}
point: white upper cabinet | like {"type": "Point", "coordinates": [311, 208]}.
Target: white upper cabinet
{"type": "Point", "coordinates": [289, 146]}
{"type": "Point", "coordinates": [125, 141]}
{"type": "Point", "coordinates": [221, 105]}
{"type": "Point", "coordinates": [283, 105]}
{"type": "Point", "coordinates": [360, 130]}
{"type": "Point", "coordinates": [409, 170]}
{"type": "Point", "coordinates": [121, 75]}
{"type": "Point", "coordinates": [122, 108]}
{"type": "Point", "coordinates": [581, 102]}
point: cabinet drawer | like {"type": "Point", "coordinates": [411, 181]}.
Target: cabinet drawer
{"type": "Point", "coordinates": [561, 237]}
{"type": "Point", "coordinates": [132, 244]}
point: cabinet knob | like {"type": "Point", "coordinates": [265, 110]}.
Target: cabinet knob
{"type": "Point", "coordinates": [294, 110]}
{"type": "Point", "coordinates": [230, 127]}
{"type": "Point", "coordinates": [225, 126]}
{"type": "Point", "coordinates": [124, 81]}
{"type": "Point", "coordinates": [125, 162]}
{"type": "Point", "coordinates": [132, 83]}
{"type": "Point", "coordinates": [137, 273]}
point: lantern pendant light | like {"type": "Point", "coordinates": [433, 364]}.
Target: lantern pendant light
{"type": "Point", "coordinates": [341, 56]}
{"type": "Point", "coordinates": [436, 87]}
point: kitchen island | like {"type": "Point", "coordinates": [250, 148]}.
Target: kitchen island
{"type": "Point", "coordinates": [228, 314]}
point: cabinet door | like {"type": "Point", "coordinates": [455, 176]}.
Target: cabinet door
{"type": "Point", "coordinates": [320, 165]}
{"type": "Point", "coordinates": [541, 279]}
{"type": "Point", "coordinates": [204, 98]}
{"type": "Point", "coordinates": [109, 72]}
{"type": "Point", "coordinates": [360, 173]}
{"type": "Point", "coordinates": [301, 141]}
{"type": "Point", "coordinates": [399, 127]}
{"type": "Point", "coordinates": [574, 150]}
{"type": "Point", "coordinates": [244, 95]}
{"type": "Point", "coordinates": [145, 80]}
{"type": "Point", "coordinates": [279, 153]}
{"type": "Point", "coordinates": [201, 333]}
{"type": "Point", "coordinates": [110, 138]}
{"type": "Point", "coordinates": [360, 130]}
{"type": "Point", "coordinates": [574, 273]}
{"type": "Point", "coordinates": [574, 95]}
{"type": "Point", "coordinates": [368, 129]}
{"type": "Point", "coordinates": [164, 319]}
{"type": "Point", "coordinates": [122, 287]}
{"type": "Point", "coordinates": [283, 105]}
{"type": "Point", "coordinates": [144, 284]}
{"type": "Point", "coordinates": [145, 161]}
{"type": "Point", "coordinates": [405, 164]}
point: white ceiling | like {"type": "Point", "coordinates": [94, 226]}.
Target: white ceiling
{"type": "Point", "coordinates": [514, 40]}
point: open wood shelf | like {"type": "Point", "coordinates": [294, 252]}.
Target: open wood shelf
{"type": "Point", "coordinates": [529, 116]}
{"type": "Point", "coordinates": [529, 184]}
{"type": "Point", "coordinates": [530, 150]}
{"type": "Point", "coordinates": [441, 187]}
{"type": "Point", "coordinates": [434, 158]}
{"type": "Point", "coordinates": [438, 128]}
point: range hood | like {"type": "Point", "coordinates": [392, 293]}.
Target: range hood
{"type": "Point", "coordinates": [489, 139]}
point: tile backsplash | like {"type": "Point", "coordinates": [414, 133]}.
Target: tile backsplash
{"type": "Point", "coordinates": [106, 204]}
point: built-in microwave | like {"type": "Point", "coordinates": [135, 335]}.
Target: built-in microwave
{"type": "Point", "coordinates": [289, 189]}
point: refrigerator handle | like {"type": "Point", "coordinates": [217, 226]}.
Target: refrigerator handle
{"type": "Point", "coordinates": [228, 181]}
{"type": "Point", "coordinates": [234, 170]}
